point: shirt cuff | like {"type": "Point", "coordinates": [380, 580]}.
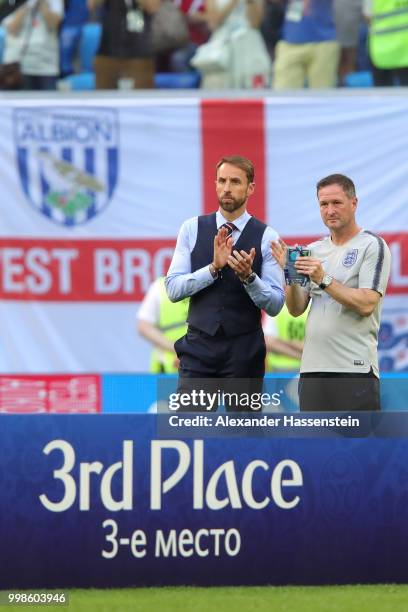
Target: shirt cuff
{"type": "Point", "coordinates": [203, 275]}
{"type": "Point", "coordinates": [255, 287]}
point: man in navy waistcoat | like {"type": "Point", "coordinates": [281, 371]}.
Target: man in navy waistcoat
{"type": "Point", "coordinates": [223, 263]}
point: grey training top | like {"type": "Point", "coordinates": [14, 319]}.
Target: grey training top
{"type": "Point", "coordinates": [337, 338]}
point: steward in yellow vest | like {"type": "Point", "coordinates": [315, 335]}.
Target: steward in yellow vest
{"type": "Point", "coordinates": [161, 323]}
{"type": "Point", "coordinates": [172, 323]}
{"type": "Point", "coordinates": [284, 347]}
{"type": "Point", "coordinates": [388, 36]}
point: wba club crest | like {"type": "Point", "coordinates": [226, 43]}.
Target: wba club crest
{"type": "Point", "coordinates": [67, 160]}
{"type": "Point", "coordinates": [350, 258]}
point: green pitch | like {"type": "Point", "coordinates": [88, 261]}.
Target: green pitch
{"type": "Point", "coordinates": [358, 598]}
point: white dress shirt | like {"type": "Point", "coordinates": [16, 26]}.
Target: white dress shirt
{"type": "Point", "coordinates": [266, 291]}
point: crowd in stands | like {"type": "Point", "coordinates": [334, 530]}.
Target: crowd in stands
{"type": "Point", "coordinates": [283, 44]}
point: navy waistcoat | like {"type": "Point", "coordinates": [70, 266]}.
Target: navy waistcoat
{"type": "Point", "coordinates": [225, 303]}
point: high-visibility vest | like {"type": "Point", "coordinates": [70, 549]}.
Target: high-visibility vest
{"type": "Point", "coordinates": [289, 328]}
{"type": "Point", "coordinates": [172, 323]}
{"type": "Point", "coordinates": [388, 39]}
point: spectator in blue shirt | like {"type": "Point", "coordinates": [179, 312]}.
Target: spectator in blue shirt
{"type": "Point", "coordinates": [308, 53]}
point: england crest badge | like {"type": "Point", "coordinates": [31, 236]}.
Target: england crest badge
{"type": "Point", "coordinates": [350, 258]}
{"type": "Point", "coordinates": [67, 159]}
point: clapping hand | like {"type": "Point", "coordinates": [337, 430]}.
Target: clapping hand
{"type": "Point", "coordinates": [222, 248]}
{"type": "Point", "coordinates": [279, 249]}
{"type": "Point", "coordinates": [241, 262]}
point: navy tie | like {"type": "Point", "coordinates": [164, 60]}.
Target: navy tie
{"type": "Point", "coordinates": [230, 228]}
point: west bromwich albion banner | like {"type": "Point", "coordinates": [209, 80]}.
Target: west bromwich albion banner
{"type": "Point", "coordinates": [94, 192]}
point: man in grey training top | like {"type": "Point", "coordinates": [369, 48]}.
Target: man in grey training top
{"type": "Point", "coordinates": [348, 273]}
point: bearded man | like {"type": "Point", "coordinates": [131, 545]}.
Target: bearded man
{"type": "Point", "coordinates": [223, 263]}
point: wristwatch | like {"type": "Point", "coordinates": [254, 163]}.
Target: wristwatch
{"type": "Point", "coordinates": [213, 270]}
{"type": "Point", "coordinates": [326, 281]}
{"type": "Point", "coordinates": [249, 279]}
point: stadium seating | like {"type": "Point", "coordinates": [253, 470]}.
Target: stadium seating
{"type": "Point", "coordinates": [88, 45]}
{"type": "Point", "coordinates": [359, 79]}
{"type": "Point", "coordinates": [177, 80]}
{"type": "Point", "coordinates": [83, 81]}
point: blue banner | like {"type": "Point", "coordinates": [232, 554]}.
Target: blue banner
{"type": "Point", "coordinates": [103, 501]}
{"type": "Point", "coordinates": [120, 390]}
